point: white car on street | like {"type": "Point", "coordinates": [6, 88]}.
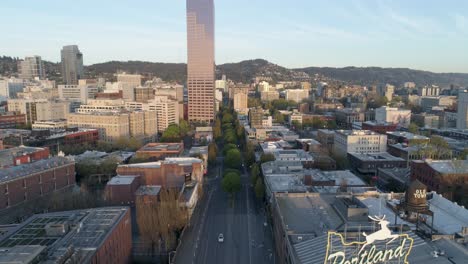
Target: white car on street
{"type": "Point", "coordinates": [221, 238]}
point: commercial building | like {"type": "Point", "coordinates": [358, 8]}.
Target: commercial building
{"type": "Point", "coordinates": [79, 93]}
{"type": "Point", "coordinates": [462, 110]}
{"type": "Point", "coordinates": [12, 119]}
{"type": "Point", "coordinates": [393, 115]}
{"type": "Point", "coordinates": [368, 164]}
{"type": "Point", "coordinates": [431, 90]}
{"type": "Point", "coordinates": [167, 111]}
{"type": "Point", "coordinates": [40, 109]}
{"type": "Point", "coordinates": [256, 117]}
{"type": "Point", "coordinates": [115, 125]}
{"type": "Point", "coordinates": [297, 95]}
{"type": "Point", "coordinates": [359, 141]}
{"type": "Point", "coordinates": [395, 137]}
{"type": "Point", "coordinates": [31, 67]}
{"type": "Point", "coordinates": [326, 138]}
{"type": "Point", "coordinates": [347, 116]}
{"type": "Point", "coordinates": [22, 155]}
{"type": "Point", "coordinates": [240, 101]}
{"type": "Point", "coordinates": [167, 173]}
{"type": "Point", "coordinates": [128, 83]}
{"type": "Point", "coordinates": [11, 87]}
{"type": "Point", "coordinates": [203, 134]}
{"type": "Point", "coordinates": [417, 152]}
{"type": "Point", "coordinates": [426, 120]}
{"type": "Point", "coordinates": [144, 94]}
{"type": "Point", "coordinates": [269, 96]}
{"type": "Point", "coordinates": [72, 64]}
{"type": "Point", "coordinates": [51, 125]}
{"type": "Point", "coordinates": [200, 60]}
{"type": "Point", "coordinates": [387, 91]}
{"type": "Point", "coordinates": [30, 181]}
{"type": "Point", "coordinates": [98, 235]}
{"type": "Point", "coordinates": [446, 177]}
{"type": "Point", "coordinates": [428, 102]}
{"type": "Point", "coordinates": [379, 127]}
{"type": "Point", "coordinates": [157, 151]}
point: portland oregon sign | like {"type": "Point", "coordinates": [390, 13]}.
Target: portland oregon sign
{"type": "Point", "coordinates": [379, 247]}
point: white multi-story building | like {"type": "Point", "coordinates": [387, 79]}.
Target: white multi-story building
{"type": "Point", "coordinates": [41, 109]}
{"type": "Point", "coordinates": [128, 83]}
{"type": "Point", "coordinates": [263, 86]}
{"type": "Point", "coordinates": [432, 90]}
{"type": "Point", "coordinates": [359, 141]}
{"type": "Point", "coordinates": [297, 95]}
{"type": "Point", "coordinates": [240, 101]}
{"type": "Point", "coordinates": [221, 84]}
{"type": "Point", "coordinates": [167, 111]}
{"type": "Point", "coordinates": [31, 67]}
{"type": "Point", "coordinates": [269, 96]}
{"type": "Point", "coordinates": [267, 121]}
{"type": "Point", "coordinates": [462, 110]}
{"type": "Point", "coordinates": [393, 115]}
{"type": "Point", "coordinates": [79, 93]}
{"type": "Point", "coordinates": [428, 102]}
{"type": "Point", "coordinates": [11, 87]}
{"type": "Point", "coordinates": [98, 105]}
{"type": "Point", "coordinates": [53, 125]}
{"type": "Point", "coordinates": [295, 116]}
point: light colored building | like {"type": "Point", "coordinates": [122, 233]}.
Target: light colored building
{"type": "Point", "coordinates": [221, 84]}
{"type": "Point", "coordinates": [428, 102]}
{"type": "Point", "coordinates": [263, 86]}
{"type": "Point", "coordinates": [462, 110]}
{"type": "Point", "coordinates": [295, 116]}
{"type": "Point", "coordinates": [53, 125]}
{"type": "Point", "coordinates": [101, 105]}
{"type": "Point", "coordinates": [306, 86]}
{"type": "Point", "coordinates": [31, 67]}
{"type": "Point", "coordinates": [297, 95]}
{"type": "Point", "coordinates": [200, 61]}
{"type": "Point", "coordinates": [115, 125]}
{"type": "Point", "coordinates": [79, 93]}
{"type": "Point", "coordinates": [240, 101]}
{"type": "Point", "coordinates": [128, 83]}
{"type": "Point", "coordinates": [174, 91]}
{"type": "Point", "coordinates": [167, 111]}
{"type": "Point", "coordinates": [432, 90]}
{"type": "Point", "coordinates": [72, 64]}
{"type": "Point", "coordinates": [269, 96]}
{"type": "Point", "coordinates": [267, 121]}
{"type": "Point", "coordinates": [393, 115]}
{"type": "Point", "coordinates": [409, 85]}
{"type": "Point", "coordinates": [39, 109]}
{"type": "Point", "coordinates": [386, 91]}
{"type": "Point", "coordinates": [11, 87]}
{"type": "Point", "coordinates": [359, 141]}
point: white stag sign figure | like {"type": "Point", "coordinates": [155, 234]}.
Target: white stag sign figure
{"type": "Point", "coordinates": [383, 234]}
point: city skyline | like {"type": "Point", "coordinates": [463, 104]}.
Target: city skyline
{"type": "Point", "coordinates": [356, 33]}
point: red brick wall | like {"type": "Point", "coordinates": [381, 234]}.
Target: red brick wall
{"type": "Point", "coordinates": [82, 137]}
{"type": "Point", "coordinates": [117, 247]}
{"type": "Point", "coordinates": [30, 187]}
{"type": "Point", "coordinates": [11, 121]}
{"type": "Point", "coordinates": [122, 194]}
{"type": "Point", "coordinates": [38, 155]}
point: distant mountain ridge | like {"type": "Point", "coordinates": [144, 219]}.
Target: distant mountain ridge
{"type": "Point", "coordinates": [247, 70]}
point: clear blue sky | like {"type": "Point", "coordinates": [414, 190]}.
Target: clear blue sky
{"type": "Point", "coordinates": [420, 34]}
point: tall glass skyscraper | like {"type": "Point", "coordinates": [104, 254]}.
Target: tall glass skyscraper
{"type": "Point", "coordinates": [72, 64]}
{"type": "Point", "coordinates": [200, 61]}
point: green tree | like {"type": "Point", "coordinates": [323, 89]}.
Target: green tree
{"type": "Point", "coordinates": [249, 156]}
{"type": "Point", "coordinates": [279, 118]}
{"type": "Point", "coordinates": [254, 173]}
{"type": "Point", "coordinates": [228, 147]}
{"type": "Point", "coordinates": [413, 128]}
{"type": "Point", "coordinates": [184, 127]}
{"type": "Point", "coordinates": [296, 124]}
{"type": "Point", "coordinates": [231, 183]}
{"type": "Point", "coordinates": [217, 134]}
{"type": "Point", "coordinates": [227, 118]}
{"type": "Point", "coordinates": [266, 157]}
{"type": "Point", "coordinates": [230, 136]}
{"type": "Point", "coordinates": [171, 134]}
{"type": "Point", "coordinates": [253, 102]}
{"type": "Point", "coordinates": [212, 153]}
{"type": "Point", "coordinates": [439, 142]}
{"type": "Point", "coordinates": [259, 189]}
{"type": "Point", "coordinates": [233, 159]}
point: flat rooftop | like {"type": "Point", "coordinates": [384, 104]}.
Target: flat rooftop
{"type": "Point", "coordinates": [161, 147]}
{"type": "Point", "coordinates": [449, 166]}
{"type": "Point", "coordinates": [152, 190]}
{"type": "Point", "coordinates": [358, 133]}
{"type": "Point", "coordinates": [406, 135]}
{"type": "Point", "coordinates": [122, 180]}
{"type": "Point", "coordinates": [35, 167]}
{"type": "Point", "coordinates": [182, 161]}
{"type": "Point", "coordinates": [382, 156]}
{"type": "Point", "coordinates": [87, 230]}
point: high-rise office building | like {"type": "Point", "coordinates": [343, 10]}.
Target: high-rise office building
{"type": "Point", "coordinates": [72, 64]}
{"type": "Point", "coordinates": [200, 60]}
{"type": "Point", "coordinates": [462, 111]}
{"type": "Point", "coordinates": [31, 67]}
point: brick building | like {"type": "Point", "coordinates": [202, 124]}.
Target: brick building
{"type": "Point", "coordinates": [120, 190]}
{"type": "Point", "coordinates": [379, 127]}
{"type": "Point", "coordinates": [12, 119]}
{"type": "Point", "coordinates": [30, 181]}
{"type": "Point", "coordinates": [156, 151]}
{"type": "Point", "coordinates": [98, 235]}
{"type": "Point", "coordinates": [447, 177]}
{"type": "Point", "coordinates": [168, 173]}
{"type": "Point", "coordinates": [22, 155]}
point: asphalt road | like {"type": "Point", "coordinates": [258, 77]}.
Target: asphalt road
{"type": "Point", "coordinates": [246, 239]}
